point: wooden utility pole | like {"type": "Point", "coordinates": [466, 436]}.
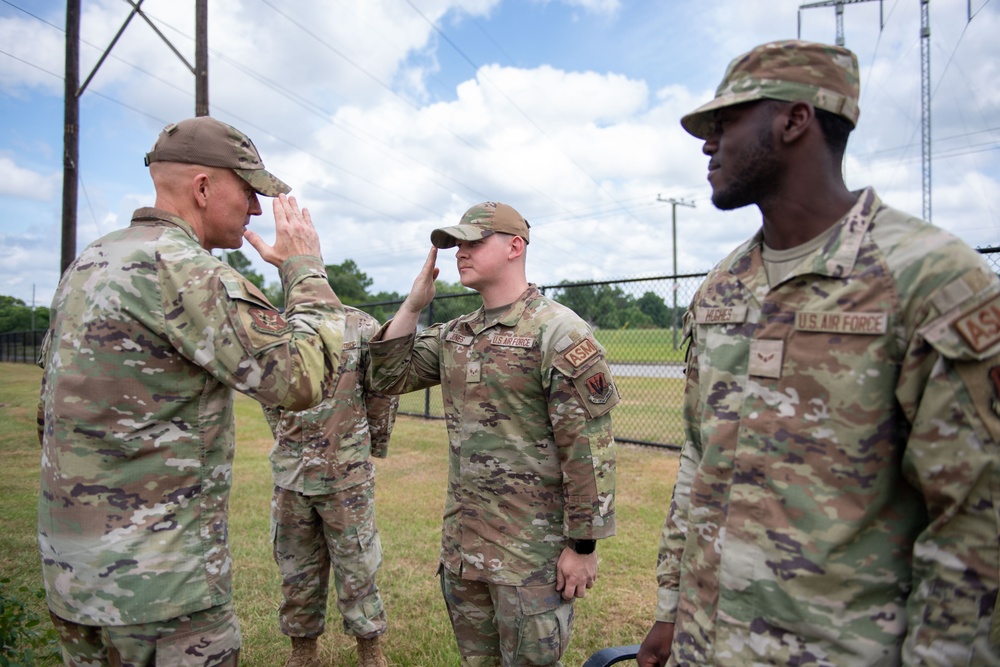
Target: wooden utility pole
{"type": "Point", "coordinates": [201, 58]}
{"type": "Point", "coordinates": [71, 134]}
{"type": "Point", "coordinates": [73, 91]}
{"type": "Point", "coordinates": [674, 203]}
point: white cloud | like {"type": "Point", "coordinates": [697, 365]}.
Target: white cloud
{"type": "Point", "coordinates": [19, 182]}
{"type": "Point", "coordinates": [385, 132]}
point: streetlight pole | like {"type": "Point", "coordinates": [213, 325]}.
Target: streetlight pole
{"type": "Point", "coordinates": [674, 203]}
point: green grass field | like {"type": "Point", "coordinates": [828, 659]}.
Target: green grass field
{"type": "Point", "coordinates": [409, 499]}
{"type": "Point", "coordinates": [641, 346]}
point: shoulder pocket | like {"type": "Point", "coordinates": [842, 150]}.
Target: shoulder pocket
{"type": "Point", "coordinates": [257, 323]}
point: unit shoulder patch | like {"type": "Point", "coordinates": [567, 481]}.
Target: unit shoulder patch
{"type": "Point", "coordinates": [980, 327]}
{"type": "Point", "coordinates": [268, 321]}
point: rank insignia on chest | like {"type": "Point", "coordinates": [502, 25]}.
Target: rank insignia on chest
{"type": "Point", "coordinates": [598, 388]}
{"type": "Point", "coordinates": [267, 321]}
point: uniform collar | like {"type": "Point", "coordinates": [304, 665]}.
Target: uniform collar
{"type": "Point", "coordinates": [835, 259]}
{"type": "Point", "coordinates": [476, 320]}
{"type": "Point", "coordinates": [156, 216]}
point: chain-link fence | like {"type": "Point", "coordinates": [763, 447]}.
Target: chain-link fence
{"type": "Point", "coordinates": [21, 346]}
{"type": "Point", "coordinates": [992, 257]}
{"type": "Point", "coordinates": [637, 321]}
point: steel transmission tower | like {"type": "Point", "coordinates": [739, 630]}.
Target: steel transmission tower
{"type": "Point", "coordinates": [925, 104]}
{"type": "Point", "coordinates": [838, 6]}
{"type": "Point", "coordinates": [71, 115]}
{"type": "Point", "coordinates": [925, 80]}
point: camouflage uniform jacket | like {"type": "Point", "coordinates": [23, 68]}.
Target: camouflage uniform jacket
{"type": "Point", "coordinates": [328, 448]}
{"type": "Point", "coordinates": [837, 500]}
{"type": "Point", "coordinates": [150, 335]}
{"type": "Point", "coordinates": [527, 401]}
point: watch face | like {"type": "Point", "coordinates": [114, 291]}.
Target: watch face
{"type": "Point", "coordinates": [584, 547]}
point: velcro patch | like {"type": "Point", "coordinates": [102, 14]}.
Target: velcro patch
{"type": "Point", "coordinates": [268, 321]}
{"type": "Point", "coordinates": [765, 358]}
{"type": "Point", "coordinates": [727, 315]}
{"type": "Point", "coordinates": [582, 352]}
{"type": "Point", "coordinates": [456, 337]}
{"type": "Point", "coordinates": [509, 340]}
{"type": "Point", "coordinates": [874, 324]}
{"type": "Point", "coordinates": [980, 327]}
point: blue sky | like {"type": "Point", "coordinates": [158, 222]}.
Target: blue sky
{"type": "Point", "coordinates": [391, 117]}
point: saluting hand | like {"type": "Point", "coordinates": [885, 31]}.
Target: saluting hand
{"type": "Point", "coordinates": [422, 293]}
{"type": "Point", "coordinates": [423, 290]}
{"type": "Point", "coordinates": [294, 233]}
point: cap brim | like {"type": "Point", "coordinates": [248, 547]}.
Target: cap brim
{"type": "Point", "coordinates": [699, 122]}
{"type": "Point", "coordinates": [448, 237]}
{"type": "Point", "coordinates": [264, 182]}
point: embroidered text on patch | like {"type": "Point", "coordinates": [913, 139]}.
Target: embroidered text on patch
{"type": "Point", "coordinates": [581, 352]}
{"type": "Point", "coordinates": [981, 327]}
{"type": "Point", "coordinates": [843, 323]}
{"type": "Point", "coordinates": [509, 340]}
{"type": "Point", "coordinates": [456, 337]}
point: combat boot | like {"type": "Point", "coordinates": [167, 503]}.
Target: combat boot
{"type": "Point", "coordinates": [303, 653]}
{"type": "Point", "coordinates": [370, 653]}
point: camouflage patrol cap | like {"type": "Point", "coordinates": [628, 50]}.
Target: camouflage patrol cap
{"type": "Point", "coordinates": [791, 71]}
{"type": "Point", "coordinates": [479, 222]}
{"type": "Point", "coordinates": [212, 143]}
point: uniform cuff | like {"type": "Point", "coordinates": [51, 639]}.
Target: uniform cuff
{"type": "Point", "coordinates": [666, 605]}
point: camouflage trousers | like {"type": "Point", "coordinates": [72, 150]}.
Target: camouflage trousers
{"type": "Point", "coordinates": [309, 533]}
{"type": "Point", "coordinates": [207, 638]}
{"type": "Point", "coordinates": [507, 625]}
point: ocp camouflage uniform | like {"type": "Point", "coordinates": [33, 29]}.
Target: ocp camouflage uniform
{"type": "Point", "coordinates": [837, 500]}
{"type": "Point", "coordinates": [149, 337]}
{"type": "Point", "coordinates": [323, 508]}
{"type": "Point", "coordinates": [527, 401]}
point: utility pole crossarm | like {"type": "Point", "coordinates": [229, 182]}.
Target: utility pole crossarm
{"type": "Point", "coordinates": [831, 3]}
{"type": "Point", "coordinates": [839, 6]}
{"type": "Point", "coordinates": [160, 34]}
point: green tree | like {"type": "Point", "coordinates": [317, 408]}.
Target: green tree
{"type": "Point", "coordinates": [603, 306]}
{"type": "Point", "coordinates": [349, 282]}
{"type": "Point", "coordinates": [385, 312]}
{"type": "Point", "coordinates": [448, 309]}
{"type": "Point", "coordinates": [239, 261]}
{"type": "Point", "coordinates": [656, 309]}
{"type": "Point", "coordinates": [15, 315]}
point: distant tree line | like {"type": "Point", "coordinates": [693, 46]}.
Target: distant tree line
{"type": "Point", "coordinates": [603, 306]}
{"type": "Point", "coordinates": [610, 307]}
{"type": "Point", "coordinates": [16, 315]}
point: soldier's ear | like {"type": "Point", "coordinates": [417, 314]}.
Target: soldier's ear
{"type": "Point", "coordinates": [200, 186]}
{"type": "Point", "coordinates": [796, 118]}
{"type": "Point", "coordinates": [517, 247]}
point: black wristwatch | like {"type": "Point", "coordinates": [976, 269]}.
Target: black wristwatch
{"type": "Point", "coordinates": [584, 547]}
